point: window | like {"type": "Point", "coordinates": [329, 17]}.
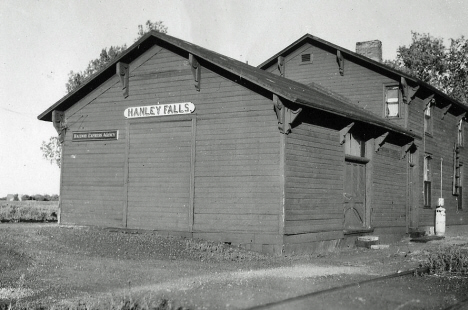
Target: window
{"type": "Point", "coordinates": [411, 159]}
{"type": "Point", "coordinates": [427, 181]}
{"type": "Point", "coordinates": [428, 119]}
{"type": "Point", "coordinates": [460, 188]}
{"type": "Point", "coordinates": [392, 101]}
{"type": "Point", "coordinates": [355, 145]}
{"type": "Point", "coordinates": [460, 136]}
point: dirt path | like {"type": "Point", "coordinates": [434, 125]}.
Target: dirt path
{"type": "Point", "coordinates": [47, 264]}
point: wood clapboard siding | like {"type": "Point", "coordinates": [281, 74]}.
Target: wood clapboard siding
{"type": "Point", "coordinates": [364, 87]}
{"type": "Point", "coordinates": [389, 185]}
{"type": "Point", "coordinates": [440, 145]}
{"type": "Point", "coordinates": [313, 185]}
{"type": "Point", "coordinates": [159, 164]}
{"type": "Point", "coordinates": [237, 169]}
{"type": "Point", "coordinates": [236, 172]}
{"type": "Point", "coordinates": [92, 181]}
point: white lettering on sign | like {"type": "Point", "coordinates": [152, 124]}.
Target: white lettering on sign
{"type": "Point", "coordinates": [160, 110]}
{"type": "Point", "coordinates": [95, 135]}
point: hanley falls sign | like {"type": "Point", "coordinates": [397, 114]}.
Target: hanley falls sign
{"type": "Point", "coordinates": [160, 110]}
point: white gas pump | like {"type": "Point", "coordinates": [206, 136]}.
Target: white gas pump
{"type": "Point", "coordinates": [440, 210]}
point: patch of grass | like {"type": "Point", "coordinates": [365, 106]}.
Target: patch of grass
{"type": "Point", "coordinates": [124, 303]}
{"type": "Point", "coordinates": [449, 261]}
{"type": "Point", "coordinates": [28, 212]}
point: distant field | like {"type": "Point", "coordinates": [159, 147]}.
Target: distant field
{"type": "Point", "coordinates": [28, 211]}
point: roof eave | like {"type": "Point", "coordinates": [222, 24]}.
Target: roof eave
{"type": "Point", "coordinates": [271, 61]}
{"type": "Point", "coordinates": [107, 71]}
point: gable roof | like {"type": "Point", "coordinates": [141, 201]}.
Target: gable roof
{"type": "Point", "coordinates": [308, 38]}
{"type": "Point", "coordinates": [312, 96]}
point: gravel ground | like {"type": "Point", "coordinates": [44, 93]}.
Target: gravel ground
{"type": "Point", "coordinates": [51, 265]}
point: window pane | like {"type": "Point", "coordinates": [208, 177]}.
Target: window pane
{"type": "Point", "coordinates": [355, 146]}
{"type": "Point", "coordinates": [392, 110]}
{"type": "Point", "coordinates": [392, 93]}
{"type": "Point", "coordinates": [460, 199]}
{"type": "Point", "coordinates": [427, 193]}
{"type": "Point", "coordinates": [460, 133]}
{"type": "Point", "coordinates": [427, 169]}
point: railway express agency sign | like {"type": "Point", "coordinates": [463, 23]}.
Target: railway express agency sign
{"type": "Point", "coordinates": [160, 110]}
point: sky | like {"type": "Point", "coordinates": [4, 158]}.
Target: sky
{"type": "Point", "coordinates": [42, 41]}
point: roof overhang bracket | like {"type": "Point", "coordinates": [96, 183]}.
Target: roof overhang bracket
{"type": "Point", "coordinates": [407, 91]}
{"type": "Point", "coordinates": [460, 117]}
{"type": "Point", "coordinates": [427, 101]}
{"type": "Point", "coordinates": [344, 132]}
{"type": "Point", "coordinates": [196, 70]}
{"type": "Point", "coordinates": [123, 71]}
{"type": "Point", "coordinates": [380, 141]}
{"type": "Point", "coordinates": [58, 120]}
{"type": "Point", "coordinates": [281, 65]}
{"type": "Point", "coordinates": [445, 110]}
{"type": "Point", "coordinates": [285, 115]}
{"type": "Point", "coordinates": [340, 60]}
{"type": "Point", "coordinates": [406, 148]}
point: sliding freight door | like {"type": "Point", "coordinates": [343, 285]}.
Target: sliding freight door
{"type": "Point", "coordinates": [159, 175]}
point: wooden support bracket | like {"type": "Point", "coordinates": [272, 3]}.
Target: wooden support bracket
{"type": "Point", "coordinates": [285, 115]}
{"type": "Point", "coordinates": [58, 120]}
{"type": "Point", "coordinates": [340, 60]}
{"type": "Point", "coordinates": [123, 71]}
{"type": "Point", "coordinates": [281, 65]}
{"type": "Point", "coordinates": [196, 70]}
{"type": "Point", "coordinates": [460, 117]}
{"type": "Point", "coordinates": [344, 132]}
{"type": "Point", "coordinates": [445, 110]}
{"type": "Point", "coordinates": [427, 101]}
{"type": "Point", "coordinates": [407, 91]}
{"type": "Point", "coordinates": [380, 141]}
{"type": "Point", "coordinates": [406, 148]}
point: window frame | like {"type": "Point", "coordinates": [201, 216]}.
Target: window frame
{"type": "Point", "coordinates": [460, 134]}
{"type": "Point", "coordinates": [388, 87]}
{"type": "Point", "coordinates": [429, 118]}
{"type": "Point", "coordinates": [427, 181]}
{"type": "Point", "coordinates": [355, 144]}
{"type": "Point", "coordinates": [460, 188]}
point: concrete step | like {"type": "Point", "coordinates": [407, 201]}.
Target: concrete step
{"type": "Point", "coordinates": [367, 241]}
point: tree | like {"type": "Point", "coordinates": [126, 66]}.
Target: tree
{"type": "Point", "coordinates": [156, 26]}
{"type": "Point", "coordinates": [52, 150]}
{"type": "Point", "coordinates": [75, 79]}
{"type": "Point", "coordinates": [428, 59]}
{"type": "Point", "coordinates": [26, 197]}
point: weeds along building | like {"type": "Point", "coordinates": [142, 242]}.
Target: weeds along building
{"type": "Point", "coordinates": [178, 139]}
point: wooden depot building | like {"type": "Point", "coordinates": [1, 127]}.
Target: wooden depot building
{"type": "Point", "coordinates": [178, 139]}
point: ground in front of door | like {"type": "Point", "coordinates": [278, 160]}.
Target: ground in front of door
{"type": "Point", "coordinates": [50, 265]}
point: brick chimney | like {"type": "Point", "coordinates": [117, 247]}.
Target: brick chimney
{"type": "Point", "coordinates": [371, 49]}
